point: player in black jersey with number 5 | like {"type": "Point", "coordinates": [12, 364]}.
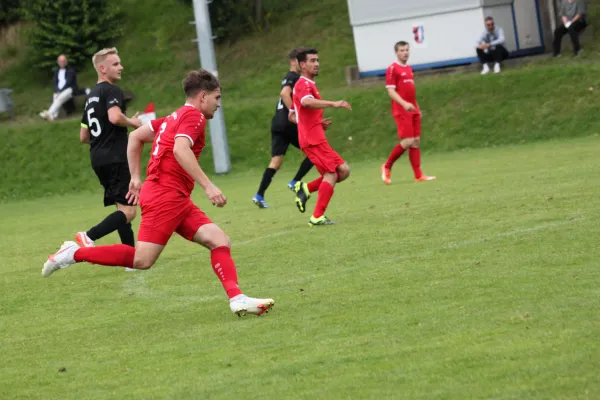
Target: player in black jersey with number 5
{"type": "Point", "coordinates": [283, 133]}
{"type": "Point", "coordinates": [104, 126]}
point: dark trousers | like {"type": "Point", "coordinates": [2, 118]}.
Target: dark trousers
{"type": "Point", "coordinates": [574, 30]}
{"type": "Point", "coordinates": [498, 55]}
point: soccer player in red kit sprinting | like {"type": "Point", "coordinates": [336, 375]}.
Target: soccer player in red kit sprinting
{"type": "Point", "coordinates": [400, 84]}
{"type": "Point", "coordinates": [308, 114]}
{"type": "Point", "coordinates": [165, 196]}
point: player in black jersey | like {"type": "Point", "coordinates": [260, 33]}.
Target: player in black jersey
{"type": "Point", "coordinates": [283, 133]}
{"type": "Point", "coordinates": [104, 126]}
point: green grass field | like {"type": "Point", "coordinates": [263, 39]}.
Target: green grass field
{"type": "Point", "coordinates": [483, 284]}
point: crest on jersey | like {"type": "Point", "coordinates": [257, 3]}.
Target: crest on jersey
{"type": "Point", "coordinates": [419, 33]}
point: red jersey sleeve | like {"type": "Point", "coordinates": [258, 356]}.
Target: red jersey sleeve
{"type": "Point", "coordinates": [303, 90]}
{"type": "Point", "coordinates": [191, 126]}
{"type": "Point", "coordinates": [390, 77]}
{"type": "Point", "coordinates": [155, 124]}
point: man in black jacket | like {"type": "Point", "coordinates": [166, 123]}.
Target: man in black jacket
{"type": "Point", "coordinates": [65, 87]}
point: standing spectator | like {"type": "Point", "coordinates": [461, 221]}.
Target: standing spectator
{"type": "Point", "coordinates": [490, 47]}
{"type": "Point", "coordinates": [574, 21]}
{"type": "Point", "coordinates": [65, 86]}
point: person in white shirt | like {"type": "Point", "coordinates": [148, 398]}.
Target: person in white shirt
{"type": "Point", "coordinates": [65, 87]}
{"type": "Point", "coordinates": [490, 47]}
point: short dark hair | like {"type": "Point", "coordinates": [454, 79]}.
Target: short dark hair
{"type": "Point", "coordinates": [302, 53]}
{"type": "Point", "coordinates": [488, 18]}
{"type": "Point", "coordinates": [401, 43]}
{"type": "Point", "coordinates": [293, 54]}
{"type": "Point", "coordinates": [199, 81]}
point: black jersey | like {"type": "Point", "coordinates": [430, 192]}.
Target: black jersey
{"type": "Point", "coordinates": [108, 142]}
{"type": "Point", "coordinates": [280, 121]}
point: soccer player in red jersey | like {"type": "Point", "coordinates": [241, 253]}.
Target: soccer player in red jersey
{"type": "Point", "coordinates": [400, 84]}
{"type": "Point", "coordinates": [165, 196]}
{"type": "Point", "coordinates": [307, 112]}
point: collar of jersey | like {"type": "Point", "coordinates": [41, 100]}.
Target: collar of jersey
{"type": "Point", "coordinates": [404, 66]}
{"type": "Point", "coordinates": [302, 76]}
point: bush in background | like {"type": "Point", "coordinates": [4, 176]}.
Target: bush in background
{"type": "Point", "coordinates": [77, 28]}
{"type": "Point", "coordinates": [232, 19]}
{"type": "Point", "coordinates": [10, 12]}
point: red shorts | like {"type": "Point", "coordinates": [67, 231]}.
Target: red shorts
{"type": "Point", "coordinates": [324, 157]}
{"type": "Point", "coordinates": [166, 210]}
{"type": "Point", "coordinates": [409, 126]}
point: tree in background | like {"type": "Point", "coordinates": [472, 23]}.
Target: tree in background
{"type": "Point", "coordinates": [232, 19]}
{"type": "Point", "coordinates": [9, 12]}
{"type": "Point", "coordinates": [77, 28]}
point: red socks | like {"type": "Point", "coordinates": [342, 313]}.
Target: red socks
{"type": "Point", "coordinates": [117, 255]}
{"type": "Point", "coordinates": [414, 154]}
{"type": "Point", "coordinates": [325, 193]}
{"type": "Point", "coordinates": [224, 268]}
{"type": "Point", "coordinates": [120, 255]}
{"type": "Point", "coordinates": [314, 185]}
{"type": "Point", "coordinates": [394, 155]}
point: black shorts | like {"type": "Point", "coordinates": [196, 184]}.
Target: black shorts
{"type": "Point", "coordinates": [280, 141]}
{"type": "Point", "coordinates": [115, 179]}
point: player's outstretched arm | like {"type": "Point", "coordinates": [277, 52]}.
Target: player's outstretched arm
{"type": "Point", "coordinates": [396, 97]}
{"type": "Point", "coordinates": [310, 102]}
{"type": "Point", "coordinates": [116, 117]}
{"type": "Point", "coordinates": [185, 157]}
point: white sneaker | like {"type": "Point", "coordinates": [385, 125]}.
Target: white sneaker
{"type": "Point", "coordinates": [485, 70]}
{"type": "Point", "coordinates": [82, 239]}
{"type": "Point", "coordinates": [44, 114]}
{"type": "Point", "coordinates": [497, 68]}
{"type": "Point", "coordinates": [241, 305]}
{"type": "Point", "coordinates": [61, 259]}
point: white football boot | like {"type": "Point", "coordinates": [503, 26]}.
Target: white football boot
{"type": "Point", "coordinates": [61, 259]}
{"type": "Point", "coordinates": [241, 305]}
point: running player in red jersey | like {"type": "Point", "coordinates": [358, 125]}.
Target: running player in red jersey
{"type": "Point", "coordinates": [308, 114]}
{"type": "Point", "coordinates": [400, 84]}
{"type": "Point", "coordinates": [165, 196]}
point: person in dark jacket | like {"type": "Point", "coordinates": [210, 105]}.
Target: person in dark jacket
{"type": "Point", "coordinates": [65, 87]}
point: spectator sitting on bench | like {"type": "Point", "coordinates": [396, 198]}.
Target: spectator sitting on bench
{"type": "Point", "coordinates": [573, 18]}
{"type": "Point", "coordinates": [490, 46]}
{"type": "Point", "coordinates": [65, 87]}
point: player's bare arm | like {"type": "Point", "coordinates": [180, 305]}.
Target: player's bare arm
{"type": "Point", "coordinates": [182, 150]}
{"type": "Point", "coordinates": [396, 97]}
{"type": "Point", "coordinates": [310, 102]}
{"type": "Point", "coordinates": [84, 135]}
{"type": "Point", "coordinates": [286, 96]}
{"type": "Point", "coordinates": [135, 146]}
{"type": "Point", "coordinates": [292, 117]}
{"type": "Point", "coordinates": [116, 117]}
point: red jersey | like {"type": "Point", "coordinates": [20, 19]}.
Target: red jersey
{"type": "Point", "coordinates": [401, 78]}
{"type": "Point", "coordinates": [163, 168]}
{"type": "Point", "coordinates": [310, 128]}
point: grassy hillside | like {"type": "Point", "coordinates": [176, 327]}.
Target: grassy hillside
{"type": "Point", "coordinates": [462, 111]}
{"type": "Point", "coordinates": [550, 99]}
